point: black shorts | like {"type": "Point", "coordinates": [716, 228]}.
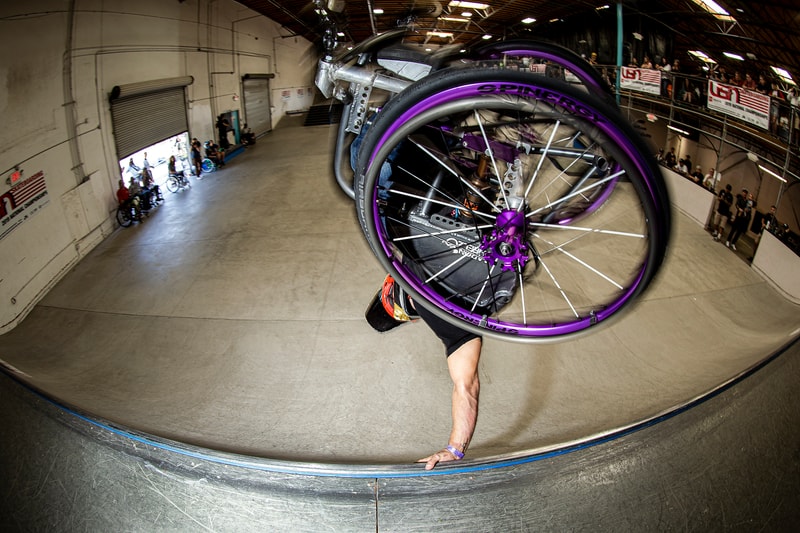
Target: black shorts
{"type": "Point", "coordinates": [452, 336]}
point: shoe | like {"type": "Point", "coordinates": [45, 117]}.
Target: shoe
{"type": "Point", "coordinates": [728, 244]}
{"type": "Point", "coordinates": [390, 307]}
{"type": "Point", "coordinates": [714, 235]}
{"type": "Point", "coordinates": [733, 247]}
{"type": "Point", "coordinates": [716, 239]}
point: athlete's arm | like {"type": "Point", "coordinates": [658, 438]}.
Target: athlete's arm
{"type": "Point", "coordinates": [463, 367]}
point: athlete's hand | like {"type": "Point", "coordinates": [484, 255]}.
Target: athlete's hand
{"type": "Point", "coordinates": [443, 455]}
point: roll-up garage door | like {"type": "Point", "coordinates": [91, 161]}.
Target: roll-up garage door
{"type": "Point", "coordinates": [257, 112]}
{"type": "Point", "coordinates": [148, 112]}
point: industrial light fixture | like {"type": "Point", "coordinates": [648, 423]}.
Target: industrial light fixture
{"type": "Point", "coordinates": [710, 6]}
{"type": "Point", "coordinates": [682, 132]}
{"type": "Point", "coordinates": [702, 56]}
{"type": "Point", "coordinates": [454, 19]}
{"type": "Point", "coordinates": [783, 74]}
{"type": "Point", "coordinates": [377, 11]}
{"type": "Point", "coordinates": [486, 37]}
{"type": "Point", "coordinates": [606, 6]}
{"type": "Point", "coordinates": [771, 173]}
{"type": "Point", "coordinates": [528, 20]}
{"type": "Point", "coordinates": [731, 55]}
{"type": "Point", "coordinates": [442, 34]}
{"type": "Point", "coordinates": [469, 5]}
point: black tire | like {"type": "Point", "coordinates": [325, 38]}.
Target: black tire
{"type": "Point", "coordinates": [124, 217]}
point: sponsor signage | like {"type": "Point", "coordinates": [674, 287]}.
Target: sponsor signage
{"type": "Point", "coordinates": [21, 202]}
{"type": "Point", "coordinates": [640, 79]}
{"type": "Point", "coordinates": [738, 102]}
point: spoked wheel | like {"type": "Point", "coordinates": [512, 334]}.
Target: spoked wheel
{"type": "Point", "coordinates": [208, 165]}
{"type": "Point", "coordinates": [485, 194]}
{"type": "Point", "coordinates": [172, 184]}
{"type": "Point", "coordinates": [124, 217]}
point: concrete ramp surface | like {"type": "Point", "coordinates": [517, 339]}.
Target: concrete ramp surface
{"type": "Point", "coordinates": [210, 369]}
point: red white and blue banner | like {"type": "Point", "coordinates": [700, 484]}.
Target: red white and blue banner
{"type": "Point", "coordinates": [644, 80]}
{"type": "Point", "coordinates": [738, 102]}
{"type": "Point", "coordinates": [538, 68]}
{"type": "Point", "coordinates": [21, 202]}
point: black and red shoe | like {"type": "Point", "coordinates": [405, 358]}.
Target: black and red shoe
{"type": "Point", "coordinates": [391, 307]}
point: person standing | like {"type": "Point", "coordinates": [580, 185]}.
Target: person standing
{"type": "Point", "coordinates": [197, 157]}
{"type": "Point", "coordinates": [223, 127]}
{"type": "Point", "coordinates": [723, 212]}
{"type": "Point", "coordinates": [744, 211]}
{"type": "Point", "coordinates": [769, 222]}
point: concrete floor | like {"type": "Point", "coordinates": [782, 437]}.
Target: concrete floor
{"type": "Point", "coordinates": [232, 319]}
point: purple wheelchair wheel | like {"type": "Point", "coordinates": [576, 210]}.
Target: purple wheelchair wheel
{"type": "Point", "coordinates": [511, 204]}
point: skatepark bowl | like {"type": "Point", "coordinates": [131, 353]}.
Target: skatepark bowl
{"type": "Point", "coordinates": [210, 370]}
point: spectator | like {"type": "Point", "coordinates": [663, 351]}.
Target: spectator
{"type": "Point", "coordinates": [749, 82]}
{"type": "Point", "coordinates": [147, 173]}
{"type": "Point", "coordinates": [197, 158]}
{"type": "Point", "coordinates": [723, 212]}
{"type": "Point", "coordinates": [769, 222]}
{"type": "Point", "coordinates": [132, 170]}
{"type": "Point", "coordinates": [670, 158]}
{"type": "Point", "coordinates": [686, 165]}
{"type": "Point", "coordinates": [776, 100]}
{"type": "Point", "coordinates": [744, 212]}
{"type": "Point", "coordinates": [762, 86]}
{"type": "Point", "coordinates": [697, 175]}
{"type": "Point", "coordinates": [646, 63]}
{"type": "Point", "coordinates": [223, 127]}
{"type": "Point", "coordinates": [247, 136]}
{"type": "Point", "coordinates": [665, 69]}
{"type": "Point", "coordinates": [215, 153]}
{"type": "Point", "coordinates": [123, 194]}
{"type": "Point", "coordinates": [710, 180]}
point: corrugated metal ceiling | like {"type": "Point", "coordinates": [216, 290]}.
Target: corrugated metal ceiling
{"type": "Point", "coordinates": [765, 33]}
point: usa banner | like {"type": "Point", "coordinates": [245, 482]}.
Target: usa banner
{"type": "Point", "coordinates": [538, 68]}
{"type": "Point", "coordinates": [21, 202]}
{"type": "Point", "coordinates": [641, 79]}
{"type": "Point", "coordinates": [744, 104]}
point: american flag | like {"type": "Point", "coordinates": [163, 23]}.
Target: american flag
{"type": "Point", "coordinates": [754, 100]}
{"type": "Point", "coordinates": [29, 188]}
{"type": "Point", "coordinates": [650, 76]}
{"type": "Point", "coordinates": [21, 193]}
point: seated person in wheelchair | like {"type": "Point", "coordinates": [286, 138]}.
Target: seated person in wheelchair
{"type": "Point", "coordinates": [215, 153]}
{"type": "Point", "coordinates": [126, 200]}
{"type": "Point", "coordinates": [174, 172]}
{"type": "Point", "coordinates": [150, 189]}
{"type": "Point", "coordinates": [140, 197]}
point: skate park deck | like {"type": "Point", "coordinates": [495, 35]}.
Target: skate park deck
{"type": "Point", "coordinates": [231, 322]}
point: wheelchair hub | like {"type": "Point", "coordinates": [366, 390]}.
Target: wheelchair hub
{"type": "Point", "coordinates": [506, 244]}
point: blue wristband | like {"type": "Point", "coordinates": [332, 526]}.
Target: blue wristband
{"type": "Point", "coordinates": [455, 451]}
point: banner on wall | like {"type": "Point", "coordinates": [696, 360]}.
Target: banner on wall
{"type": "Point", "coordinates": [643, 80]}
{"type": "Point", "coordinates": [21, 202]}
{"type": "Point", "coordinates": [744, 104]}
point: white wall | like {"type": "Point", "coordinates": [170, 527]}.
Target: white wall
{"type": "Point", "coordinates": [57, 71]}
